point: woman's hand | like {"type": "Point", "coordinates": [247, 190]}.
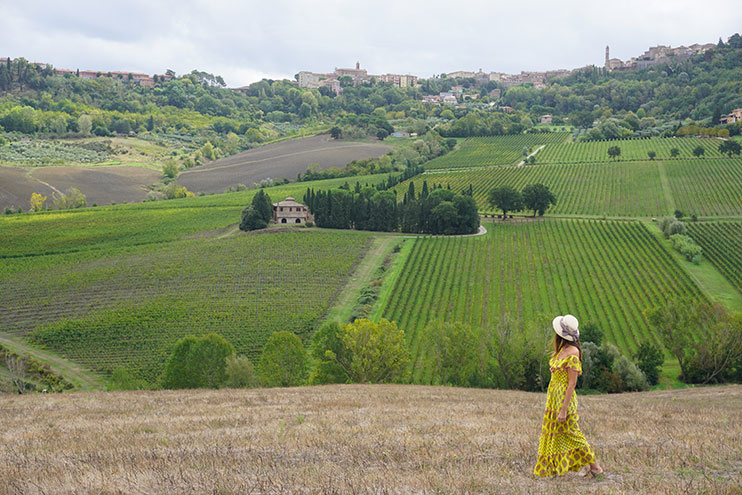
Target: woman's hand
{"type": "Point", "coordinates": [562, 416]}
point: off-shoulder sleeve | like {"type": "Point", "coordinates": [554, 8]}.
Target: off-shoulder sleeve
{"type": "Point", "coordinates": [574, 363]}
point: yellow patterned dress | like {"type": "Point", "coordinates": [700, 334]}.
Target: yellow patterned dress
{"type": "Point", "coordinates": [562, 446]}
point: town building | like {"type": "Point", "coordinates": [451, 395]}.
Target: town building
{"type": "Point", "coordinates": [735, 116]}
{"type": "Point", "coordinates": [546, 119]}
{"type": "Point", "coordinates": [289, 211]}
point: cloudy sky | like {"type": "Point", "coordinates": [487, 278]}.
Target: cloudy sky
{"type": "Point", "coordinates": [246, 41]}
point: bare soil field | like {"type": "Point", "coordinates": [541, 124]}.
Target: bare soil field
{"type": "Point", "coordinates": [101, 185]}
{"type": "Point", "coordinates": [16, 188]}
{"type": "Point", "coordinates": [361, 439]}
{"type": "Point", "coordinates": [282, 160]}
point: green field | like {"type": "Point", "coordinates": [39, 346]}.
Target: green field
{"type": "Point", "coordinates": [126, 307]}
{"type": "Point", "coordinates": [722, 247]}
{"type": "Point", "coordinates": [631, 149]}
{"type": "Point", "coordinates": [494, 150]}
{"type": "Point", "coordinates": [621, 189]}
{"type": "Point", "coordinates": [607, 273]}
{"type": "Point", "coordinates": [140, 223]}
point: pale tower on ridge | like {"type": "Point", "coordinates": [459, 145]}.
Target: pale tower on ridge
{"type": "Point", "coordinates": [607, 56]}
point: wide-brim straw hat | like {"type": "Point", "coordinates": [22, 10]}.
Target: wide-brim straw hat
{"type": "Point", "coordinates": [566, 327]}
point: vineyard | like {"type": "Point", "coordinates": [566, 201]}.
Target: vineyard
{"type": "Point", "coordinates": [495, 150]}
{"type": "Point", "coordinates": [127, 307]}
{"type": "Point", "coordinates": [620, 189]}
{"type": "Point", "coordinates": [631, 149]}
{"type": "Point", "coordinates": [708, 187]}
{"type": "Point", "coordinates": [141, 223]}
{"type": "Point", "coordinates": [722, 246]}
{"type": "Point", "coordinates": [603, 272]}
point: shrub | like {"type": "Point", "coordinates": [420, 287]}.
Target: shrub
{"type": "Point", "coordinates": [252, 219]}
{"type": "Point", "coordinates": [174, 191]}
{"type": "Point", "coordinates": [452, 348]}
{"type": "Point", "coordinates": [122, 379]}
{"type": "Point", "coordinates": [374, 352]}
{"type": "Point", "coordinates": [687, 247]}
{"type": "Point", "coordinates": [631, 376]}
{"type": "Point", "coordinates": [170, 169]}
{"type": "Point", "coordinates": [649, 359]}
{"type": "Point", "coordinates": [591, 333]}
{"type": "Point", "coordinates": [198, 362]}
{"type": "Point", "coordinates": [283, 362]}
{"type": "Point", "coordinates": [326, 348]}
{"type": "Point", "coordinates": [240, 372]}
{"type": "Point", "coordinates": [73, 198]}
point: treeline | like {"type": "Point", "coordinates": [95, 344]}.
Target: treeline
{"type": "Point", "coordinates": [440, 211]}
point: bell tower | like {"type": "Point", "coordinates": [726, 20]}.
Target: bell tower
{"type": "Point", "coordinates": [607, 56]}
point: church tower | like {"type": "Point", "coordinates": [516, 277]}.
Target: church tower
{"type": "Point", "coordinates": [607, 56]}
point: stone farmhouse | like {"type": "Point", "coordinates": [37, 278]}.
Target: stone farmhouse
{"type": "Point", "coordinates": [735, 116]}
{"type": "Point", "coordinates": [289, 211]}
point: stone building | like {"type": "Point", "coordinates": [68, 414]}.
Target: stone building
{"type": "Point", "coordinates": [289, 211]}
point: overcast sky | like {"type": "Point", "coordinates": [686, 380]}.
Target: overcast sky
{"type": "Point", "coordinates": [246, 41]}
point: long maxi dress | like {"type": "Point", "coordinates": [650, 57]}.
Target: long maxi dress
{"type": "Point", "coordinates": [562, 446]}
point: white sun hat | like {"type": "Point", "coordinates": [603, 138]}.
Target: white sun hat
{"type": "Point", "coordinates": [566, 327]}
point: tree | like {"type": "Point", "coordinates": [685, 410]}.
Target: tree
{"type": "Point", "coordinates": [240, 372]}
{"type": "Point", "coordinates": [452, 347]}
{"type": "Point", "coordinates": [262, 203]}
{"type": "Point", "coordinates": [699, 151]}
{"type": "Point", "coordinates": [373, 352]}
{"type": "Point", "coordinates": [506, 199]}
{"type": "Point", "coordinates": [283, 362]}
{"type": "Point", "coordinates": [614, 152]}
{"type": "Point", "coordinates": [538, 197]}
{"type": "Point", "coordinates": [170, 169]}
{"type": "Point", "coordinates": [73, 198]}
{"type": "Point", "coordinates": [150, 123]}
{"type": "Point", "coordinates": [198, 362]}
{"type": "Point", "coordinates": [649, 359]}
{"type": "Point", "coordinates": [37, 201]}
{"type": "Point", "coordinates": [326, 350]}
{"type": "Point", "coordinates": [207, 150]}
{"type": "Point", "coordinates": [674, 152]}
{"type": "Point", "coordinates": [730, 147]}
{"type": "Point", "coordinates": [252, 219]}
{"type": "Point", "coordinates": [651, 154]}
{"type": "Point", "coordinates": [381, 134]}
{"type": "Point", "coordinates": [590, 332]}
{"type": "Point", "coordinates": [84, 124]}
{"type": "Point", "coordinates": [17, 370]}
{"type": "Point", "coordinates": [335, 132]}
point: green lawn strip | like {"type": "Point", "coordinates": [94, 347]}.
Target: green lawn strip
{"type": "Point", "coordinates": [390, 279]}
{"type": "Point", "coordinates": [80, 377]}
{"type": "Point", "coordinates": [380, 247]}
{"type": "Point", "coordinates": [709, 280]}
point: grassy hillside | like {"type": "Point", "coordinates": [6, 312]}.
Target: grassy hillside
{"type": "Point", "coordinates": [631, 149]}
{"type": "Point", "coordinates": [496, 150]}
{"type": "Point", "coordinates": [127, 307]}
{"type": "Point", "coordinates": [623, 189]}
{"type": "Point", "coordinates": [142, 223]}
{"type": "Point", "coordinates": [362, 439]}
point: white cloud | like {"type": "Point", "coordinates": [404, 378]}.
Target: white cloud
{"type": "Point", "coordinates": [246, 41]}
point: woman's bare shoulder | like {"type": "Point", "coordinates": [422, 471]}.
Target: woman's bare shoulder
{"type": "Point", "coordinates": [570, 350]}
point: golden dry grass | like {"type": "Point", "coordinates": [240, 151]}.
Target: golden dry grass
{"type": "Point", "coordinates": [360, 439]}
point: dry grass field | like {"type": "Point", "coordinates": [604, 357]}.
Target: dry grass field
{"type": "Point", "coordinates": [281, 160]}
{"type": "Point", "coordinates": [360, 439]}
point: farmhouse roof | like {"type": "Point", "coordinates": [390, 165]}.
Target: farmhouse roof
{"type": "Point", "coordinates": [289, 201]}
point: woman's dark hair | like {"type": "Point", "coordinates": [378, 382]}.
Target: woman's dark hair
{"type": "Point", "coordinates": [560, 343]}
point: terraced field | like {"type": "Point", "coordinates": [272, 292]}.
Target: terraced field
{"type": "Point", "coordinates": [722, 247]}
{"type": "Point", "coordinates": [128, 306]}
{"type": "Point", "coordinates": [631, 149]}
{"type": "Point", "coordinates": [603, 272]}
{"type": "Point", "coordinates": [494, 150]}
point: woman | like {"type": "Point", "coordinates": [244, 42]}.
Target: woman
{"type": "Point", "coordinates": [562, 446]}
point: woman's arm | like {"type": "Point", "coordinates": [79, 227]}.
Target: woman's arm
{"type": "Point", "coordinates": [571, 383]}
